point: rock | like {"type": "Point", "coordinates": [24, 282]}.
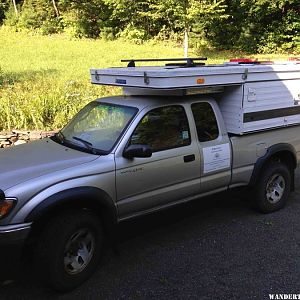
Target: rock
{"type": "Point", "coordinates": [47, 133]}
{"type": "Point", "coordinates": [35, 135]}
{"type": "Point", "coordinates": [18, 137]}
{"type": "Point", "coordinates": [19, 142]}
{"type": "Point", "coordinates": [20, 132]}
{"type": "Point", "coordinates": [4, 137]}
{"type": "Point", "coordinates": [24, 137]}
{"type": "Point", "coordinates": [13, 139]}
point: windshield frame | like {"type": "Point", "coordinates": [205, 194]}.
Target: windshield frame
{"type": "Point", "coordinates": [60, 138]}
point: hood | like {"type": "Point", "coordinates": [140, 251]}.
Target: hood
{"type": "Point", "coordinates": [34, 159]}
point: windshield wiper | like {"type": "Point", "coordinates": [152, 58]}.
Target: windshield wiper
{"type": "Point", "coordinates": [89, 146]}
{"type": "Point", "coordinates": [86, 143]}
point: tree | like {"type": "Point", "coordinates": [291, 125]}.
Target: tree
{"type": "Point", "coordinates": [257, 26]}
{"type": "Point", "coordinates": [85, 17]}
{"type": "Point", "coordinates": [15, 7]}
{"type": "Point", "coordinates": [133, 18]}
{"type": "Point", "coordinates": [4, 6]}
{"type": "Point", "coordinates": [55, 8]}
{"type": "Point", "coordinates": [189, 15]}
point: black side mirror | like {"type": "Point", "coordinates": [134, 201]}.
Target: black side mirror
{"type": "Point", "coordinates": [137, 151]}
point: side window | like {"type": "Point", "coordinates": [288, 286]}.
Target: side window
{"type": "Point", "coordinates": [163, 128]}
{"type": "Point", "coordinates": [206, 123]}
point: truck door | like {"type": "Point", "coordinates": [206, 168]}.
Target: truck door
{"type": "Point", "coordinates": [214, 145]}
{"type": "Point", "coordinates": [172, 172]}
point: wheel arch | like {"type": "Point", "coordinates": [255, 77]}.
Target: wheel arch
{"type": "Point", "coordinates": [280, 152]}
{"type": "Point", "coordinates": [93, 199]}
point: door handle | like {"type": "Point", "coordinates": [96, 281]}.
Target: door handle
{"type": "Point", "coordinates": [188, 158]}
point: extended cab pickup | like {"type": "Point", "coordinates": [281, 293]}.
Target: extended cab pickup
{"type": "Point", "coordinates": [123, 157]}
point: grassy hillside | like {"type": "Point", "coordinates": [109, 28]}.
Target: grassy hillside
{"type": "Point", "coordinates": [44, 80]}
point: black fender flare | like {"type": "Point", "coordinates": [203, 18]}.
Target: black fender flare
{"type": "Point", "coordinates": [277, 148]}
{"type": "Point", "coordinates": [74, 196]}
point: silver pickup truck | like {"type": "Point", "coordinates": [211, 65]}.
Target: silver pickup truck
{"type": "Point", "coordinates": [123, 157]}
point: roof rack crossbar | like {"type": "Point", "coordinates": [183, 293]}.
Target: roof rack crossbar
{"type": "Point", "coordinates": [189, 60]}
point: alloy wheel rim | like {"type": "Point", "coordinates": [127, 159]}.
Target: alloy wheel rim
{"type": "Point", "coordinates": [79, 251]}
{"type": "Point", "coordinates": [275, 188]}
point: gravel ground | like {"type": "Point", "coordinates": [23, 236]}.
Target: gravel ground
{"type": "Point", "coordinates": [212, 248]}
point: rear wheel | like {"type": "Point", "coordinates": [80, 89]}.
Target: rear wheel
{"type": "Point", "coordinates": [272, 189]}
{"type": "Point", "coordinates": [69, 250]}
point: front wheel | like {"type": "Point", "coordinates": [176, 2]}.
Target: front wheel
{"type": "Point", "coordinates": [273, 187]}
{"type": "Point", "coordinates": [69, 250]}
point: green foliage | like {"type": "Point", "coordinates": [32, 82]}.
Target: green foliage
{"type": "Point", "coordinates": [46, 81]}
{"type": "Point", "coordinates": [136, 35]}
{"type": "Point", "coordinates": [11, 19]}
{"type": "Point", "coordinates": [4, 6]}
{"type": "Point", "coordinates": [240, 25]}
{"type": "Point", "coordinates": [34, 15]}
{"type": "Point", "coordinates": [85, 18]}
{"type": "Point", "coordinates": [257, 26]}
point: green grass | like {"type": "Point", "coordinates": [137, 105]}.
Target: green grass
{"type": "Point", "coordinates": [44, 80]}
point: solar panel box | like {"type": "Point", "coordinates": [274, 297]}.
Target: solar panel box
{"type": "Point", "coordinates": [251, 97]}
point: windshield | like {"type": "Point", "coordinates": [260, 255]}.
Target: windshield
{"type": "Point", "coordinates": [98, 126]}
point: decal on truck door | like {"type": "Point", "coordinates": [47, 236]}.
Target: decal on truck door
{"type": "Point", "coordinates": [216, 158]}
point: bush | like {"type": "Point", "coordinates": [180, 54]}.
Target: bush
{"type": "Point", "coordinates": [136, 35]}
{"type": "Point", "coordinates": [51, 26]}
{"type": "Point", "coordinates": [11, 19]}
{"type": "Point", "coordinates": [108, 33]}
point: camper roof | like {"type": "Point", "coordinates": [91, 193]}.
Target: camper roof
{"type": "Point", "coordinates": [191, 74]}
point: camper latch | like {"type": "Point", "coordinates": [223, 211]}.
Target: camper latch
{"type": "Point", "coordinates": [146, 78]}
{"type": "Point", "coordinates": [97, 77]}
{"type": "Point", "coordinates": [245, 75]}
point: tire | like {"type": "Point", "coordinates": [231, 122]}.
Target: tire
{"type": "Point", "coordinates": [69, 250]}
{"type": "Point", "coordinates": [272, 189]}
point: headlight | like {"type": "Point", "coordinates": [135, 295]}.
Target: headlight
{"type": "Point", "coordinates": [6, 205]}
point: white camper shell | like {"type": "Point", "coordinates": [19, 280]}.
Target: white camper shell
{"type": "Point", "coordinates": [252, 96]}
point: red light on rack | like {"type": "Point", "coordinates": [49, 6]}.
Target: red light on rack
{"type": "Point", "coordinates": [294, 59]}
{"type": "Point", "coordinates": [251, 61]}
{"type": "Point", "coordinates": [244, 60]}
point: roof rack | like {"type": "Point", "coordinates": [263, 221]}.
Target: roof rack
{"type": "Point", "coordinates": [189, 61]}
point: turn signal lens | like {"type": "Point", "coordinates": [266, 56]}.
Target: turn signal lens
{"type": "Point", "coordinates": [5, 207]}
{"type": "Point", "coordinates": [200, 80]}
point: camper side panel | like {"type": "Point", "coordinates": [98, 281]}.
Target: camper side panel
{"type": "Point", "coordinates": [231, 105]}
{"type": "Point", "coordinates": [271, 104]}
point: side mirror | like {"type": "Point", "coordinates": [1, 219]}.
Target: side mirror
{"type": "Point", "coordinates": [137, 151]}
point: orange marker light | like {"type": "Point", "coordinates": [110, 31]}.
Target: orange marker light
{"type": "Point", "coordinates": [5, 207]}
{"type": "Point", "coordinates": [200, 80]}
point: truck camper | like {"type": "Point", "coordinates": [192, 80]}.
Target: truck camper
{"type": "Point", "coordinates": [178, 132]}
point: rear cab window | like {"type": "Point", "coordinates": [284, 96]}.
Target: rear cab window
{"type": "Point", "coordinates": [206, 122]}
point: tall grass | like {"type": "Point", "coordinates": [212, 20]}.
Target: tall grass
{"type": "Point", "coordinates": [44, 80]}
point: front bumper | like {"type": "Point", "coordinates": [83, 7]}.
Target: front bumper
{"type": "Point", "coordinates": [17, 233]}
{"type": "Point", "coordinates": [12, 239]}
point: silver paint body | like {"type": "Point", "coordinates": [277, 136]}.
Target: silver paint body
{"type": "Point", "coordinates": [35, 171]}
